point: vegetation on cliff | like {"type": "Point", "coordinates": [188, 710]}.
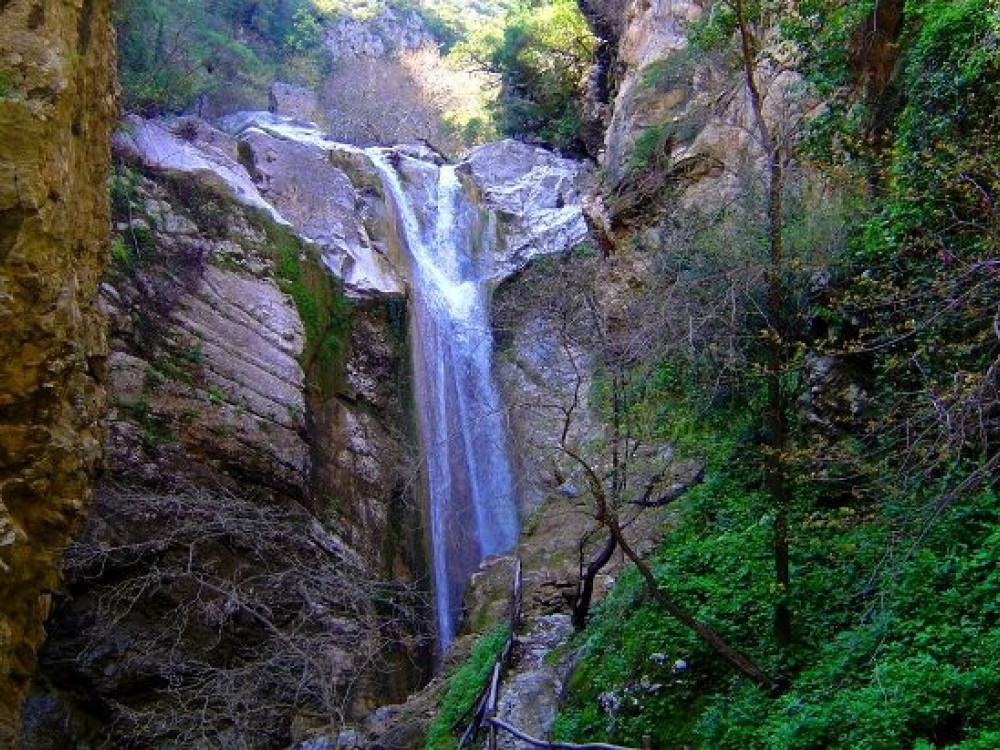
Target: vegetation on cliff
{"type": "Point", "coordinates": [173, 54]}
{"type": "Point", "coordinates": [541, 52]}
{"type": "Point", "coordinates": [881, 352]}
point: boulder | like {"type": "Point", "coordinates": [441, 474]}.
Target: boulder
{"type": "Point", "coordinates": [296, 169]}
{"type": "Point", "coordinates": [536, 197]}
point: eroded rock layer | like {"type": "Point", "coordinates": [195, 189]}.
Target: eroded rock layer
{"type": "Point", "coordinates": [56, 110]}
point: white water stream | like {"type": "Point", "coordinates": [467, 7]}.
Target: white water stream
{"type": "Point", "coordinates": [462, 428]}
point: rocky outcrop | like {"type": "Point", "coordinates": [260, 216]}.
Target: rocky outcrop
{"type": "Point", "coordinates": [324, 189]}
{"type": "Point", "coordinates": [537, 199]}
{"type": "Point", "coordinates": [57, 106]}
{"type": "Point", "coordinates": [679, 126]}
{"type": "Point", "coordinates": [289, 170]}
{"type": "Point", "coordinates": [256, 504]}
{"type": "Point", "coordinates": [650, 41]}
{"type": "Point", "coordinates": [390, 32]}
{"type": "Point", "coordinates": [331, 194]}
{"type": "Point", "coordinates": [533, 693]}
{"type": "Point", "coordinates": [204, 375]}
{"type": "Point", "coordinates": [191, 148]}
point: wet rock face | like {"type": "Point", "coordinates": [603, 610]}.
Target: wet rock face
{"type": "Point", "coordinates": [56, 111]}
{"type": "Point", "coordinates": [320, 187]}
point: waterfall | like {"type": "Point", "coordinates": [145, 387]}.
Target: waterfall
{"type": "Point", "coordinates": [462, 428]}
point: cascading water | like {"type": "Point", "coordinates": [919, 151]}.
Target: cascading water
{"type": "Point", "coordinates": [463, 432]}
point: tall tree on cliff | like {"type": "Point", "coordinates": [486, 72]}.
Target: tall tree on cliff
{"type": "Point", "coordinates": [777, 155]}
{"type": "Point", "coordinates": [773, 121]}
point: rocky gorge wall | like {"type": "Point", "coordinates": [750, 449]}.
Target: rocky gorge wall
{"type": "Point", "coordinates": [257, 539]}
{"type": "Point", "coordinates": [57, 108]}
{"type": "Point", "coordinates": [676, 121]}
{"type": "Point", "coordinates": [258, 500]}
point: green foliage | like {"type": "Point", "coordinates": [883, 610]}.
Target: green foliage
{"type": "Point", "coordinates": [122, 189]}
{"type": "Point", "coordinates": [927, 297]}
{"type": "Point", "coordinates": [943, 177]}
{"type": "Point", "coordinates": [649, 151]}
{"type": "Point", "coordinates": [172, 52]}
{"type": "Point", "coordinates": [896, 634]}
{"type": "Point", "coordinates": [324, 310]}
{"type": "Point", "coordinates": [6, 84]}
{"type": "Point", "coordinates": [120, 251]}
{"type": "Point", "coordinates": [893, 522]}
{"type": "Point", "coordinates": [916, 667]}
{"type": "Point", "coordinates": [542, 52]}
{"type": "Point", "coordinates": [154, 428]}
{"type": "Point", "coordinates": [464, 686]}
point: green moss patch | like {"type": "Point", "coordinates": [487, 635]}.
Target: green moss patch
{"type": "Point", "coordinates": [464, 686]}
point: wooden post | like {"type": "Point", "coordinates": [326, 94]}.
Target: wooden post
{"type": "Point", "coordinates": [491, 707]}
{"type": "Point", "coordinates": [647, 742]}
{"type": "Point", "coordinates": [515, 598]}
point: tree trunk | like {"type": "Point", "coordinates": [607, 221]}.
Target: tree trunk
{"type": "Point", "coordinates": [775, 479]}
{"type": "Point", "coordinates": [719, 644]}
{"type": "Point", "coordinates": [585, 590]}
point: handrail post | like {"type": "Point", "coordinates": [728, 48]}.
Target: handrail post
{"type": "Point", "coordinates": [491, 707]}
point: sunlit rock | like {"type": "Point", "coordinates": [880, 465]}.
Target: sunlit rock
{"type": "Point", "coordinates": [536, 197]}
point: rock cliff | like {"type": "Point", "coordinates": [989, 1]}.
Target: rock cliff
{"type": "Point", "coordinates": [258, 502]}
{"type": "Point", "coordinates": [258, 537]}
{"type": "Point", "coordinates": [57, 107]}
{"type": "Point", "coordinates": [678, 130]}
{"type": "Point", "coordinates": [652, 40]}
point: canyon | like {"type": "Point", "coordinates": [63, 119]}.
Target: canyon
{"type": "Point", "coordinates": [288, 398]}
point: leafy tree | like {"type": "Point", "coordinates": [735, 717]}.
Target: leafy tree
{"type": "Point", "coordinates": [172, 53]}
{"type": "Point", "coordinates": [541, 50]}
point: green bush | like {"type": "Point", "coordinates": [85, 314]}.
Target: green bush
{"type": "Point", "coordinates": [172, 52]}
{"type": "Point", "coordinates": [6, 84]}
{"type": "Point", "coordinates": [464, 685]}
{"type": "Point", "coordinates": [542, 53]}
{"type": "Point", "coordinates": [895, 646]}
{"type": "Point", "coordinates": [120, 251]}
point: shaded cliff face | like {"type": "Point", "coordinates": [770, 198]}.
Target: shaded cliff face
{"type": "Point", "coordinates": [255, 510]}
{"type": "Point", "coordinates": [258, 538]}
{"type": "Point", "coordinates": [57, 107]}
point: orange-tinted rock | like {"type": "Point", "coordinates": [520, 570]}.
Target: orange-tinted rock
{"type": "Point", "coordinates": [57, 106]}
